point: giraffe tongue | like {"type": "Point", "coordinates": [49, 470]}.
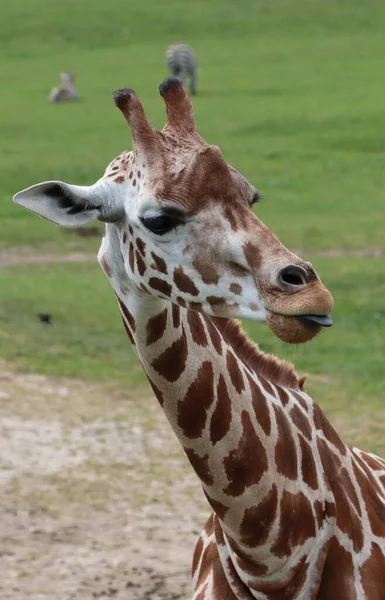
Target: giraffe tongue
{"type": "Point", "coordinates": [321, 320]}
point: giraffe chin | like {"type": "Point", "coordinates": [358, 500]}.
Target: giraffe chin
{"type": "Point", "coordinates": [290, 330]}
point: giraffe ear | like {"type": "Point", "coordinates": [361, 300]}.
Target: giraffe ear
{"type": "Point", "coordinates": [61, 203]}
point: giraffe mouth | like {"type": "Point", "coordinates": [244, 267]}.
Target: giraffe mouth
{"type": "Point", "coordinates": [297, 329]}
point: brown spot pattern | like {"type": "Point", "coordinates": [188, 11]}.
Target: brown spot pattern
{"type": "Point", "coordinates": [161, 286]}
{"type": "Point", "coordinates": [181, 301]}
{"type": "Point", "coordinates": [211, 563]}
{"type": "Point", "coordinates": [106, 266]}
{"type": "Point", "coordinates": [283, 395]}
{"type": "Point", "coordinates": [215, 336]}
{"type": "Point", "coordinates": [257, 520]}
{"type": "Point", "coordinates": [373, 573]}
{"type": "Point", "coordinates": [274, 590]}
{"type": "Point", "coordinates": [319, 513]}
{"type": "Point", "coordinates": [215, 300]}
{"type": "Point", "coordinates": [301, 400]}
{"type": "Point", "coordinates": [200, 466]}
{"type": "Point", "coordinates": [338, 575]}
{"type": "Point", "coordinates": [296, 524]}
{"type": "Point", "coordinates": [219, 508]}
{"type": "Point", "coordinates": [230, 217]}
{"type": "Point", "coordinates": [175, 316]}
{"type": "Point", "coordinates": [308, 466]}
{"type": "Point", "coordinates": [267, 386]}
{"type": "Point", "coordinates": [235, 288]}
{"type": "Point", "coordinates": [119, 179]}
{"type": "Point", "coordinates": [184, 283]}
{"type": "Point", "coordinates": [246, 464]}
{"type": "Point", "coordinates": [260, 406]}
{"type": "Point", "coordinates": [140, 264]}
{"type": "Point", "coordinates": [156, 327]}
{"type": "Point", "coordinates": [285, 449]}
{"type": "Point", "coordinates": [346, 500]}
{"type": "Point", "coordinates": [374, 462]}
{"type": "Point", "coordinates": [253, 255]}
{"type": "Point", "coordinates": [321, 422]}
{"type": "Point", "coordinates": [124, 237]}
{"type": "Point", "coordinates": [197, 306]}
{"type": "Point", "coordinates": [131, 258]}
{"type": "Point", "coordinates": [373, 503]}
{"type": "Point", "coordinates": [301, 421]}
{"type": "Point", "coordinates": [237, 584]}
{"type": "Point", "coordinates": [192, 410]}
{"type": "Point", "coordinates": [140, 244]}
{"type": "Point", "coordinates": [128, 315]}
{"type": "Point", "coordinates": [197, 556]}
{"type": "Point", "coordinates": [172, 362]}
{"type": "Point", "coordinates": [158, 263]}
{"type": "Point", "coordinates": [207, 271]}
{"type": "Point", "coordinates": [235, 372]}
{"type": "Point", "coordinates": [197, 329]}
{"type": "Point", "coordinates": [247, 563]}
{"type": "Point", "coordinates": [202, 593]}
{"type": "Point", "coordinates": [128, 332]}
{"type": "Point", "coordinates": [157, 392]}
{"type": "Point", "coordinates": [221, 417]}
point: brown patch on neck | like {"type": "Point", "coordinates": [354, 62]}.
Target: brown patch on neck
{"type": "Point", "coordinates": [242, 467]}
{"type": "Point", "coordinates": [264, 365]}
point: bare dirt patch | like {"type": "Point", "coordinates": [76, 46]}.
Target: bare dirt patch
{"type": "Point", "coordinates": [97, 498]}
{"type": "Point", "coordinates": [25, 256]}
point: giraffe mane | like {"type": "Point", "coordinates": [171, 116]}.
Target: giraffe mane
{"type": "Point", "coordinates": [264, 364]}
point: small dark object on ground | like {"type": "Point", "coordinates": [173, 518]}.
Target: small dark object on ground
{"type": "Point", "coordinates": [45, 318]}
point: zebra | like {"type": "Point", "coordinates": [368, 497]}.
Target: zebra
{"type": "Point", "coordinates": [66, 90]}
{"type": "Point", "coordinates": [182, 63]}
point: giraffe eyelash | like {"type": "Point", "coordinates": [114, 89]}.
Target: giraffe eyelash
{"type": "Point", "coordinates": [256, 198]}
{"type": "Point", "coordinates": [161, 224]}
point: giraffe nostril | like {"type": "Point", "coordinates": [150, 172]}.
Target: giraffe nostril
{"type": "Point", "coordinates": [292, 276]}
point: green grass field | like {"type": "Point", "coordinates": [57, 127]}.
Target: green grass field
{"type": "Point", "coordinates": [292, 91]}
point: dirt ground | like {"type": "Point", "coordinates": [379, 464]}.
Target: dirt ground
{"type": "Point", "coordinates": [97, 499]}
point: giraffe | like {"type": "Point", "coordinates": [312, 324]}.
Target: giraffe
{"type": "Point", "coordinates": [296, 512]}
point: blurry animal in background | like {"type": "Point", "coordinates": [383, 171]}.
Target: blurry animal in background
{"type": "Point", "coordinates": [66, 90]}
{"type": "Point", "coordinates": [45, 318]}
{"type": "Point", "coordinates": [182, 63]}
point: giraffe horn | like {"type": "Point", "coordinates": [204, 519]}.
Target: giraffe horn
{"type": "Point", "coordinates": [179, 110]}
{"type": "Point", "coordinates": [131, 107]}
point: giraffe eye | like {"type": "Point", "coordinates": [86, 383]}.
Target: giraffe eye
{"type": "Point", "coordinates": [161, 224]}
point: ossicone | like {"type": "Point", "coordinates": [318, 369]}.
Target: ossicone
{"type": "Point", "coordinates": [143, 132]}
{"type": "Point", "coordinates": [179, 109]}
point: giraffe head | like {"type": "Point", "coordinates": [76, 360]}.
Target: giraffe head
{"type": "Point", "coordinates": [180, 226]}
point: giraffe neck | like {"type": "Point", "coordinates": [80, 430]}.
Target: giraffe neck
{"type": "Point", "coordinates": [236, 429]}
{"type": "Point", "coordinates": [275, 472]}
